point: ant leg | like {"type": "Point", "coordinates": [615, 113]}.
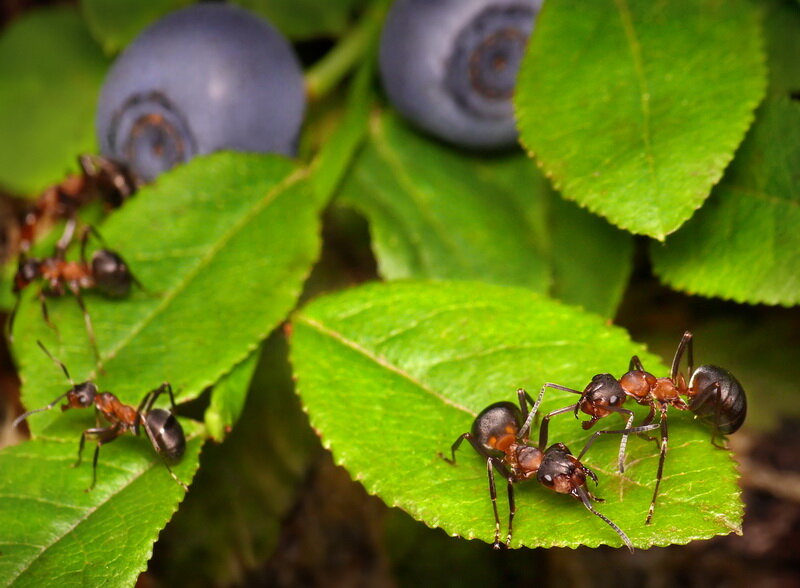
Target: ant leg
{"type": "Point", "coordinates": [12, 315]}
{"type": "Point", "coordinates": [524, 398]}
{"type": "Point", "coordinates": [493, 496]}
{"type": "Point", "coordinates": [635, 364]}
{"type": "Point", "coordinates": [455, 447]}
{"type": "Point", "coordinates": [624, 432]}
{"type": "Point", "coordinates": [582, 495]}
{"type": "Point", "coordinates": [684, 346]}
{"type": "Point", "coordinates": [149, 399]}
{"type": "Point", "coordinates": [546, 424]}
{"type": "Point", "coordinates": [45, 314]}
{"type": "Point", "coordinates": [491, 464]}
{"type": "Point", "coordinates": [65, 240]}
{"type": "Point", "coordinates": [713, 392]}
{"type": "Point", "coordinates": [87, 321]}
{"type": "Point", "coordinates": [527, 424]}
{"type": "Point", "coordinates": [662, 455]}
{"type": "Point", "coordinates": [512, 510]}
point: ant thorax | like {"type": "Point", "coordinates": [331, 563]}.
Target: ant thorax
{"type": "Point", "coordinates": [524, 460]}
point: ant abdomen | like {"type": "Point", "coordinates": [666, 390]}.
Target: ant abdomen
{"type": "Point", "coordinates": [719, 398]}
{"type": "Point", "coordinates": [499, 421]}
{"type": "Point", "coordinates": [111, 274]}
{"type": "Point", "coordinates": [167, 434]}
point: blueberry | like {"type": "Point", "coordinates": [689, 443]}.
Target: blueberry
{"type": "Point", "coordinates": [209, 77]}
{"type": "Point", "coordinates": [450, 66]}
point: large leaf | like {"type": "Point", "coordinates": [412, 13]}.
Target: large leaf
{"type": "Point", "coordinates": [391, 374]}
{"type": "Point", "coordinates": [436, 212]}
{"type": "Point", "coordinates": [49, 82]}
{"type": "Point", "coordinates": [53, 531]}
{"type": "Point", "coordinates": [634, 108]}
{"type": "Point", "coordinates": [745, 244]}
{"type": "Point", "coordinates": [221, 245]}
{"type": "Point", "coordinates": [115, 23]}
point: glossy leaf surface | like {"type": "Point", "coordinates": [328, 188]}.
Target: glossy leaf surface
{"type": "Point", "coordinates": [634, 108]}
{"type": "Point", "coordinates": [391, 374]}
{"type": "Point", "coordinates": [745, 244]}
{"type": "Point", "coordinates": [436, 212]}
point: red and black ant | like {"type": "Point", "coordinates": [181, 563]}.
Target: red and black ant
{"type": "Point", "coordinates": [498, 435]}
{"type": "Point", "coordinates": [100, 178]}
{"type": "Point", "coordinates": [161, 426]}
{"type": "Point", "coordinates": [714, 395]}
{"type": "Point", "coordinates": [107, 273]}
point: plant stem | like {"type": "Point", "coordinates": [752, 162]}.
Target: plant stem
{"type": "Point", "coordinates": [325, 75]}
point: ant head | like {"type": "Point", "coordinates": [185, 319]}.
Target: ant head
{"type": "Point", "coordinates": [111, 274]}
{"type": "Point", "coordinates": [27, 271]}
{"type": "Point", "coordinates": [81, 396]}
{"type": "Point", "coordinates": [166, 434]}
{"type": "Point", "coordinates": [560, 470]}
{"type": "Point", "coordinates": [604, 390]}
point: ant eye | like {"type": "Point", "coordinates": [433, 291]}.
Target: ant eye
{"type": "Point", "coordinates": [547, 479]}
{"type": "Point", "coordinates": [613, 400]}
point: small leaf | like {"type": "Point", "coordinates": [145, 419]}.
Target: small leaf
{"type": "Point", "coordinates": [745, 244]}
{"type": "Point", "coordinates": [391, 374]}
{"type": "Point", "coordinates": [634, 108]}
{"type": "Point", "coordinates": [222, 246]}
{"type": "Point", "coordinates": [51, 531]}
{"type": "Point", "coordinates": [436, 212]}
{"type": "Point", "coordinates": [115, 23]}
{"type": "Point", "coordinates": [303, 19]}
{"type": "Point", "coordinates": [227, 398]}
{"type": "Point", "coordinates": [49, 82]}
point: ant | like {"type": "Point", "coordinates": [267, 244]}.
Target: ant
{"type": "Point", "coordinates": [499, 436]}
{"type": "Point", "coordinates": [714, 395]}
{"type": "Point", "coordinates": [161, 426]}
{"type": "Point", "coordinates": [100, 177]}
{"type": "Point", "coordinates": [107, 272]}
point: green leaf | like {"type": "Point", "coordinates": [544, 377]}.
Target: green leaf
{"type": "Point", "coordinates": [436, 212]}
{"type": "Point", "coordinates": [391, 374]}
{"type": "Point", "coordinates": [115, 23]}
{"type": "Point", "coordinates": [51, 76]}
{"type": "Point", "coordinates": [51, 531]}
{"type": "Point", "coordinates": [222, 246]}
{"type": "Point", "coordinates": [303, 19]}
{"type": "Point", "coordinates": [745, 244]}
{"type": "Point", "coordinates": [634, 108]}
{"type": "Point", "coordinates": [227, 398]}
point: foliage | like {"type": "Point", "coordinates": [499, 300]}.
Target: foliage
{"type": "Point", "coordinates": [630, 114]}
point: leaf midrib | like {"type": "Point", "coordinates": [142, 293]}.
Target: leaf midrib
{"type": "Point", "coordinates": [203, 262]}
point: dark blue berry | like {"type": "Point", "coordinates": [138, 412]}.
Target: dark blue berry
{"type": "Point", "coordinates": [450, 66]}
{"type": "Point", "coordinates": [206, 78]}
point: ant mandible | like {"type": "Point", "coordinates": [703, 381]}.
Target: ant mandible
{"type": "Point", "coordinates": [100, 177]}
{"type": "Point", "coordinates": [160, 426]}
{"type": "Point", "coordinates": [714, 394]}
{"type": "Point", "coordinates": [498, 436]}
{"type": "Point", "coordinates": [107, 272]}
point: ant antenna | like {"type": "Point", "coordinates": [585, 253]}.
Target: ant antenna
{"type": "Point", "coordinates": [53, 404]}
{"type": "Point", "coordinates": [57, 362]}
{"type": "Point", "coordinates": [24, 416]}
{"type": "Point", "coordinates": [585, 499]}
